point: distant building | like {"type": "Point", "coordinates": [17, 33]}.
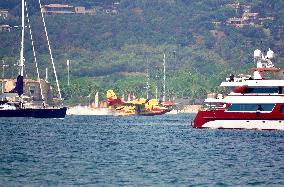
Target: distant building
{"type": "Point", "coordinates": [113, 8]}
{"type": "Point", "coordinates": [116, 3]}
{"type": "Point", "coordinates": [80, 10]}
{"type": "Point", "coordinates": [111, 11]}
{"type": "Point", "coordinates": [216, 24]}
{"type": "Point", "coordinates": [83, 10]}
{"type": "Point", "coordinates": [6, 28]}
{"type": "Point", "coordinates": [66, 9]}
{"type": "Point", "coordinates": [250, 18]}
{"type": "Point", "coordinates": [91, 11]}
{"type": "Point", "coordinates": [247, 18]}
{"type": "Point", "coordinates": [31, 89]}
{"type": "Point", "coordinates": [240, 7]}
{"type": "Point", "coordinates": [246, 8]}
{"type": "Point", "coordinates": [4, 13]}
{"type": "Point", "coordinates": [235, 5]}
{"type": "Point", "coordinates": [267, 18]}
{"type": "Point", "coordinates": [58, 9]}
{"type": "Point", "coordinates": [236, 22]}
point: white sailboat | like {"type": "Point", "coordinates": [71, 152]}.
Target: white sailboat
{"type": "Point", "coordinates": [19, 108]}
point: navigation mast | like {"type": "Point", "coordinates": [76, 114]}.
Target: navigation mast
{"type": "Point", "coordinates": [147, 81]}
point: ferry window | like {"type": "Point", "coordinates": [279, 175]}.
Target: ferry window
{"type": "Point", "coordinates": [250, 107]}
{"type": "Point", "coordinates": [281, 90]}
{"type": "Point", "coordinates": [262, 90]}
{"type": "Point", "coordinates": [282, 109]}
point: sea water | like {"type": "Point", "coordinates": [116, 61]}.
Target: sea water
{"type": "Point", "coordinates": [136, 151]}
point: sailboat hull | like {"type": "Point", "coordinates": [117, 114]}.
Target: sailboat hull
{"type": "Point", "coordinates": [35, 112]}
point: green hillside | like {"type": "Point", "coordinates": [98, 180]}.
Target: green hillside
{"type": "Point", "coordinates": [114, 50]}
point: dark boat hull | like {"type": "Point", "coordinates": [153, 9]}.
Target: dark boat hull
{"type": "Point", "coordinates": [35, 112]}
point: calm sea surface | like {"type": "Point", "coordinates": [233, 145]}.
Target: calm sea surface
{"type": "Point", "coordinates": [136, 151]}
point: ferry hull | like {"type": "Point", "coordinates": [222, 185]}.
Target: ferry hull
{"type": "Point", "coordinates": [35, 113]}
{"type": "Point", "coordinates": [239, 120]}
{"type": "Point", "coordinates": [246, 124]}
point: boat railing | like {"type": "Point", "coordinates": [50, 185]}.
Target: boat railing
{"type": "Point", "coordinates": [213, 106]}
{"type": "Point", "coordinates": [240, 78]}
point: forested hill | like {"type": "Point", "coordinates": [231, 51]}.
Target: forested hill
{"type": "Point", "coordinates": [114, 47]}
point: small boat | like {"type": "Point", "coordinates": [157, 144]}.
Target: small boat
{"type": "Point", "coordinates": [174, 111]}
{"type": "Point", "coordinates": [256, 102]}
{"type": "Point", "coordinates": [20, 108]}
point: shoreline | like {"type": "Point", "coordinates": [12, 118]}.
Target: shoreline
{"type": "Point", "coordinates": [190, 109]}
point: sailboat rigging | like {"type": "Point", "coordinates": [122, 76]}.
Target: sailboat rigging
{"type": "Point", "coordinates": [19, 108]}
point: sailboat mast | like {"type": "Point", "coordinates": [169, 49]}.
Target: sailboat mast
{"type": "Point", "coordinates": [164, 85]}
{"type": "Point", "coordinates": [97, 100]}
{"type": "Point", "coordinates": [21, 65]}
{"type": "Point", "coordinates": [156, 91]}
{"type": "Point", "coordinates": [68, 73]}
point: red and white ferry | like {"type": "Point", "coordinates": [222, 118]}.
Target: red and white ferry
{"type": "Point", "coordinates": [256, 102]}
